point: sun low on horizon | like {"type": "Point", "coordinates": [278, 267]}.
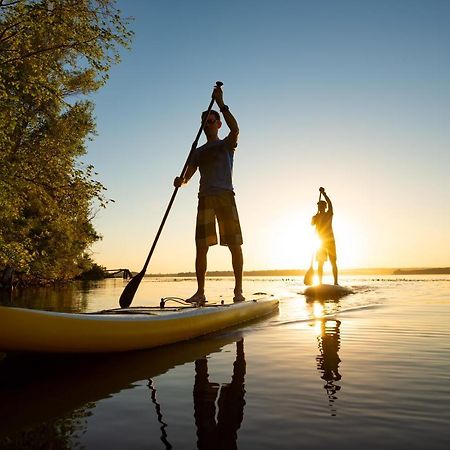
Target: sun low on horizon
{"type": "Point", "coordinates": [291, 243]}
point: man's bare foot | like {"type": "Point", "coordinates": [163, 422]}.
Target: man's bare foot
{"type": "Point", "coordinates": [238, 298]}
{"type": "Point", "coordinates": [196, 299]}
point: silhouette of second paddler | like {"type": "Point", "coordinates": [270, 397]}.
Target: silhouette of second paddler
{"type": "Point", "coordinates": [324, 229]}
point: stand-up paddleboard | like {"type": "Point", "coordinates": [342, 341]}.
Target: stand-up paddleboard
{"type": "Point", "coordinates": [26, 330]}
{"type": "Point", "coordinates": [326, 291]}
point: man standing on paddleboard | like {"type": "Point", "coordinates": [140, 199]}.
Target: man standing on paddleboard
{"type": "Point", "coordinates": [216, 196]}
{"type": "Point", "coordinates": [322, 221]}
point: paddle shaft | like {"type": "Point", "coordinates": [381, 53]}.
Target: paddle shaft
{"type": "Point", "coordinates": [169, 206]}
{"type": "Point", "coordinates": [312, 256]}
{"type": "Point", "coordinates": [309, 275]}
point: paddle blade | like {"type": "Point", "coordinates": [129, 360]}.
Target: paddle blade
{"type": "Point", "coordinates": [309, 276]}
{"type": "Point", "coordinates": [130, 289]}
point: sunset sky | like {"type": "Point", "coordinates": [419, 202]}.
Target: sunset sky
{"type": "Point", "coordinates": [350, 95]}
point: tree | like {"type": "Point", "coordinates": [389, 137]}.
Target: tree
{"type": "Point", "coordinates": [52, 54]}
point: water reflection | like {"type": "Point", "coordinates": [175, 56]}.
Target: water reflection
{"type": "Point", "coordinates": [60, 433]}
{"type": "Point", "coordinates": [72, 297]}
{"type": "Point", "coordinates": [221, 433]}
{"type": "Point", "coordinates": [212, 433]}
{"type": "Point", "coordinates": [48, 398]}
{"type": "Point", "coordinates": [328, 359]}
{"type": "Point", "coordinates": [6, 297]}
{"type": "Point", "coordinates": [324, 308]}
{"type": "Point", "coordinates": [159, 415]}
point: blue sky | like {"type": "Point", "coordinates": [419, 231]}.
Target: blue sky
{"type": "Point", "coordinates": [350, 95]}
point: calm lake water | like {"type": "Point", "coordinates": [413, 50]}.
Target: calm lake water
{"type": "Point", "coordinates": [370, 370]}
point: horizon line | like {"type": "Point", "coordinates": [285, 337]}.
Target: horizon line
{"type": "Point", "coordinates": [299, 272]}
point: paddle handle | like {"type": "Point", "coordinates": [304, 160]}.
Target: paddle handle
{"type": "Point", "coordinates": [169, 206]}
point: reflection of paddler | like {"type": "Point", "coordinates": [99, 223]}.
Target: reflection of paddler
{"type": "Point", "coordinates": [328, 360]}
{"type": "Point", "coordinates": [77, 380]}
{"type": "Point", "coordinates": [323, 223]}
{"type": "Point", "coordinates": [223, 433]}
{"type": "Point", "coordinates": [329, 346]}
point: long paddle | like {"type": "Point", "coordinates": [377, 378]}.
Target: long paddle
{"type": "Point", "coordinates": [130, 289]}
{"type": "Point", "coordinates": [309, 275]}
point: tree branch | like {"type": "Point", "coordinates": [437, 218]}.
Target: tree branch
{"type": "Point", "coordinates": [2, 34]}
{"type": "Point", "coordinates": [49, 49]}
{"type": "Point", "coordinates": [11, 3]}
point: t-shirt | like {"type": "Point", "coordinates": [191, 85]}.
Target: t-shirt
{"type": "Point", "coordinates": [215, 162]}
{"type": "Point", "coordinates": [324, 229]}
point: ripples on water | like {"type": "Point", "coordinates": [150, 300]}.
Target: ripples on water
{"type": "Point", "coordinates": [368, 370]}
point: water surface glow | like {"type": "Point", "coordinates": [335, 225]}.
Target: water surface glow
{"type": "Point", "coordinates": [370, 369]}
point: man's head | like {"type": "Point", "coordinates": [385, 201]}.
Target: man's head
{"type": "Point", "coordinates": [212, 123]}
{"type": "Point", "coordinates": [321, 205]}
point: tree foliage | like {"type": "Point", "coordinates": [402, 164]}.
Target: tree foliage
{"type": "Point", "coordinates": [52, 54]}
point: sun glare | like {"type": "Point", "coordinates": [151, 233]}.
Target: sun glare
{"type": "Point", "coordinates": [318, 310]}
{"type": "Point", "coordinates": [351, 244]}
{"type": "Point", "coordinates": [292, 242]}
{"type": "Point", "coordinates": [316, 242]}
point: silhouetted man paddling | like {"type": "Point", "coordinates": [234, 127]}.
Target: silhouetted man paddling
{"type": "Point", "coordinates": [216, 197]}
{"type": "Point", "coordinates": [323, 223]}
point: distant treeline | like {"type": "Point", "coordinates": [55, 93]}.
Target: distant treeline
{"type": "Point", "coordinates": [301, 272]}
{"type": "Point", "coordinates": [229, 273]}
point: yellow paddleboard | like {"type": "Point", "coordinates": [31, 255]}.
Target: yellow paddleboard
{"type": "Point", "coordinates": [30, 330]}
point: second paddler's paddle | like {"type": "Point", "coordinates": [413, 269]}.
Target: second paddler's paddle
{"type": "Point", "coordinates": [309, 275]}
{"type": "Point", "coordinates": [130, 289]}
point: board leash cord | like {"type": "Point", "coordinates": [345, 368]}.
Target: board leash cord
{"type": "Point", "coordinates": [183, 302]}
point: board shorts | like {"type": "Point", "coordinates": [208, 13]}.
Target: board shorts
{"type": "Point", "coordinates": [222, 207]}
{"type": "Point", "coordinates": [327, 250]}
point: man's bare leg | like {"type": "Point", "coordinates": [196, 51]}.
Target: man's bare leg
{"type": "Point", "coordinates": [200, 272]}
{"type": "Point", "coordinates": [320, 271]}
{"type": "Point", "coordinates": [237, 260]}
{"type": "Point", "coordinates": [335, 270]}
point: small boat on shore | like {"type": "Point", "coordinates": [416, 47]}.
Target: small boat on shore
{"type": "Point", "coordinates": [27, 330]}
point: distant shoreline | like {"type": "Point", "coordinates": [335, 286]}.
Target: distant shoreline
{"type": "Point", "coordinates": [433, 271]}
{"type": "Point", "coordinates": [301, 272]}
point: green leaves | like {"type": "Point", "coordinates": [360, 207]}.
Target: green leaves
{"type": "Point", "coordinates": [52, 53]}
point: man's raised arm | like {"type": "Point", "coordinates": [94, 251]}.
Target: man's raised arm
{"type": "Point", "coordinates": [229, 118]}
